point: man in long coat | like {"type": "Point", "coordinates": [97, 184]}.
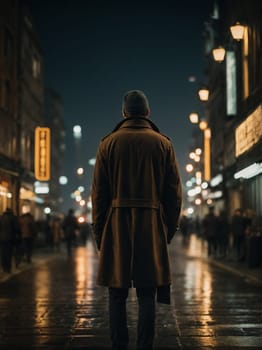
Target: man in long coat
{"type": "Point", "coordinates": [136, 200]}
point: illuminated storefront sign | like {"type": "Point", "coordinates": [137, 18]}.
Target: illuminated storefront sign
{"type": "Point", "coordinates": [231, 83]}
{"type": "Point", "coordinates": [207, 154]}
{"type": "Point", "coordinates": [41, 187]}
{"type": "Point", "coordinates": [42, 154]}
{"type": "Point", "coordinates": [249, 132]}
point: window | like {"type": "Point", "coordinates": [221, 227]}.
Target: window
{"type": "Point", "coordinates": [36, 67]}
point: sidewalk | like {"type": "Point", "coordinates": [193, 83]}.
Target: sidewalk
{"type": "Point", "coordinates": [197, 247]}
{"type": "Point", "coordinates": [253, 274]}
{"type": "Point", "coordinates": [41, 255]}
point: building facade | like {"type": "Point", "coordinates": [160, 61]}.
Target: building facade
{"type": "Point", "coordinates": [53, 115]}
{"type": "Point", "coordinates": [9, 148]}
{"type": "Point", "coordinates": [22, 110]}
{"type": "Point", "coordinates": [30, 104]}
{"type": "Point", "coordinates": [234, 108]}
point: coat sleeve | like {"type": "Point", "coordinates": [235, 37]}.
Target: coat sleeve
{"type": "Point", "coordinates": [172, 199]}
{"type": "Point", "coordinates": [100, 196]}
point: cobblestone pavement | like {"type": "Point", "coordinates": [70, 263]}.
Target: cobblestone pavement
{"type": "Point", "coordinates": [57, 305]}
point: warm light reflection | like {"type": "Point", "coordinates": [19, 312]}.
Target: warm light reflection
{"type": "Point", "coordinates": [85, 270]}
{"type": "Point", "coordinates": [42, 285]}
{"type": "Point", "coordinates": [198, 284]}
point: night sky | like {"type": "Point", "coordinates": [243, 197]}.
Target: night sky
{"type": "Point", "coordinates": [95, 51]}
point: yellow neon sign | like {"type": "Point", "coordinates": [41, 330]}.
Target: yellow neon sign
{"type": "Point", "coordinates": [42, 154]}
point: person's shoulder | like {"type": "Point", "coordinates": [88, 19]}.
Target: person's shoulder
{"type": "Point", "coordinates": [165, 136]}
{"type": "Point", "coordinates": [106, 136]}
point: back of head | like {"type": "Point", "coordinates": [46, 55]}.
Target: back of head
{"type": "Point", "coordinates": [135, 104]}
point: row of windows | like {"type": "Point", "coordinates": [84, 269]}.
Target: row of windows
{"type": "Point", "coordinates": [7, 50]}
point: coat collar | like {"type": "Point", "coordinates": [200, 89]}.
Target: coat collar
{"type": "Point", "coordinates": [136, 122]}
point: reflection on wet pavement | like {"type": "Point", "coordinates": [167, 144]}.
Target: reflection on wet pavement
{"type": "Point", "coordinates": [57, 305]}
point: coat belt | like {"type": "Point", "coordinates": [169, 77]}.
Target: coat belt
{"type": "Point", "coordinates": [135, 203]}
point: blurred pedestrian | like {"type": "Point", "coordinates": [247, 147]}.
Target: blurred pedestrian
{"type": "Point", "coordinates": [209, 225]}
{"type": "Point", "coordinates": [136, 198]}
{"type": "Point", "coordinates": [70, 226]}
{"type": "Point", "coordinates": [85, 231]}
{"type": "Point", "coordinates": [222, 233]}
{"type": "Point", "coordinates": [56, 228]}
{"type": "Point", "coordinates": [28, 232]}
{"type": "Point", "coordinates": [238, 228]}
{"type": "Point", "coordinates": [47, 227]}
{"type": "Point", "coordinates": [184, 228]}
{"type": "Point", "coordinates": [9, 236]}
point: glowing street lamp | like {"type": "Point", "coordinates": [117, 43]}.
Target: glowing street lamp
{"type": "Point", "coordinates": [203, 94]}
{"type": "Point", "coordinates": [237, 31]}
{"type": "Point", "coordinates": [63, 180]}
{"type": "Point", "coordinates": [203, 125]}
{"type": "Point", "coordinates": [192, 155]}
{"type": "Point", "coordinates": [189, 168]}
{"type": "Point", "coordinates": [80, 171]}
{"type": "Point", "coordinates": [219, 54]}
{"type": "Point", "coordinates": [77, 132]}
{"type": "Point", "coordinates": [193, 117]}
{"type": "Point", "coordinates": [198, 151]}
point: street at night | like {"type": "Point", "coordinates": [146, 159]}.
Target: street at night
{"type": "Point", "coordinates": [56, 304]}
{"type": "Point", "coordinates": [130, 156]}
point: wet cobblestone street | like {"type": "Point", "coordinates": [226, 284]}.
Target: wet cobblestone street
{"type": "Point", "coordinates": [57, 305]}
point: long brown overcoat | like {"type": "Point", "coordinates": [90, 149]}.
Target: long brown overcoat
{"type": "Point", "coordinates": [136, 200]}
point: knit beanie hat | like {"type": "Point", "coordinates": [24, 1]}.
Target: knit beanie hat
{"type": "Point", "coordinates": [135, 103]}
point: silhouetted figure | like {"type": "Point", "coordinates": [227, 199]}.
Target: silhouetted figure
{"type": "Point", "coordinates": [136, 196]}
{"type": "Point", "coordinates": [9, 236]}
{"type": "Point", "coordinates": [184, 228]}
{"type": "Point", "coordinates": [69, 227]}
{"type": "Point", "coordinates": [238, 227]}
{"type": "Point", "coordinates": [28, 232]}
{"type": "Point", "coordinates": [85, 231]}
{"type": "Point", "coordinates": [210, 231]}
{"type": "Point", "coordinates": [56, 228]}
{"type": "Point", "coordinates": [223, 229]}
{"type": "Point", "coordinates": [49, 239]}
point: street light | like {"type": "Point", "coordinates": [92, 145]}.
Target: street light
{"type": "Point", "coordinates": [193, 117]}
{"type": "Point", "coordinates": [203, 94]}
{"type": "Point", "coordinates": [237, 31]}
{"type": "Point", "coordinates": [189, 168]}
{"type": "Point", "coordinates": [80, 171]}
{"type": "Point", "coordinates": [219, 54]}
{"type": "Point", "coordinates": [77, 131]}
{"type": "Point", "coordinates": [203, 125]}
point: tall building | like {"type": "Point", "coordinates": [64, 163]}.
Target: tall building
{"type": "Point", "coordinates": [30, 103]}
{"type": "Point", "coordinates": [53, 114]}
{"type": "Point", "coordinates": [22, 110]}
{"type": "Point", "coordinates": [234, 109]}
{"type": "Point", "coordinates": [9, 147]}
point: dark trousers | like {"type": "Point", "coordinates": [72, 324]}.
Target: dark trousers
{"type": "Point", "coordinates": [118, 318]}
